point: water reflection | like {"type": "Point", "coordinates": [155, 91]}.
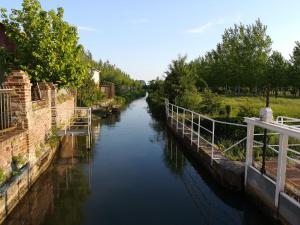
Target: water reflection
{"type": "Point", "coordinates": [59, 194]}
{"type": "Point", "coordinates": [215, 205]}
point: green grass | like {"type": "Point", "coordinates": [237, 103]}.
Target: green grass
{"type": "Point", "coordinates": [280, 106]}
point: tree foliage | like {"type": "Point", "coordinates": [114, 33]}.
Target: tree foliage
{"type": "Point", "coordinates": [46, 45]}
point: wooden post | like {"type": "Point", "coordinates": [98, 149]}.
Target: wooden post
{"type": "Point", "coordinates": [281, 166]}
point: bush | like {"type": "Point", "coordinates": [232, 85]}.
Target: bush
{"type": "Point", "coordinates": [18, 161]}
{"type": "Point", "coordinates": [211, 103]}
{"type": "Point", "coordinates": [2, 176]}
{"type": "Point", "coordinates": [247, 111]}
{"type": "Point", "coordinates": [228, 109]}
{"type": "Point", "coordinates": [53, 139]}
{"type": "Point", "coordinates": [189, 99]}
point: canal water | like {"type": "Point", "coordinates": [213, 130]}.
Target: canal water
{"type": "Point", "coordinates": [136, 173]}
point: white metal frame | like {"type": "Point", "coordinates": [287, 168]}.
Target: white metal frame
{"type": "Point", "coordinates": [284, 133]}
{"type": "Point", "coordinates": [175, 113]}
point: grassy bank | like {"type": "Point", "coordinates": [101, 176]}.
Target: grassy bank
{"type": "Point", "coordinates": [280, 106]}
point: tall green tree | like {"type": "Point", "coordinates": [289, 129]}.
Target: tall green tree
{"type": "Point", "coordinates": [178, 79]}
{"type": "Point", "coordinates": [46, 45]}
{"type": "Point", "coordinates": [277, 72]}
{"type": "Point", "coordinates": [295, 68]}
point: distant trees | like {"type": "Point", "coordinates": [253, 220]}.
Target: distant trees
{"type": "Point", "coordinates": [46, 46]}
{"type": "Point", "coordinates": [242, 63]}
{"type": "Point", "coordinates": [110, 73]}
{"type": "Point", "coordinates": [295, 68]}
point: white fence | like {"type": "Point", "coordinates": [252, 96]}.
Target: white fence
{"type": "Point", "coordinates": [283, 149]}
{"type": "Point", "coordinates": [189, 122]}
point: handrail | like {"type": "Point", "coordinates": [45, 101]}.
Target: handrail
{"type": "Point", "coordinates": [181, 115]}
{"type": "Point", "coordinates": [208, 118]}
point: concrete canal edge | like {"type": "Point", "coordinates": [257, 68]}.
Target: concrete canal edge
{"type": "Point", "coordinates": [229, 174]}
{"type": "Point", "coordinates": [14, 191]}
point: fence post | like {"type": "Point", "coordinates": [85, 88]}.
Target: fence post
{"type": "Point", "coordinates": [199, 128]}
{"type": "Point", "coordinates": [183, 122]}
{"type": "Point", "coordinates": [172, 116]}
{"type": "Point", "coordinates": [177, 119]}
{"type": "Point", "coordinates": [192, 128]}
{"type": "Point", "coordinates": [249, 149]}
{"type": "Point", "coordinates": [213, 141]}
{"type": "Point", "coordinates": [281, 166]}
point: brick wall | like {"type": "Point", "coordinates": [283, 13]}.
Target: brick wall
{"type": "Point", "coordinates": [108, 89]}
{"type": "Point", "coordinates": [64, 111]}
{"type": "Point", "coordinates": [14, 144]}
{"type": "Point", "coordinates": [33, 119]}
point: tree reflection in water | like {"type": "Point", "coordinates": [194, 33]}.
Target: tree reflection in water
{"type": "Point", "coordinates": [62, 190]}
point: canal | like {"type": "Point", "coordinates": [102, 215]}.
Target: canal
{"type": "Point", "coordinates": [136, 173]}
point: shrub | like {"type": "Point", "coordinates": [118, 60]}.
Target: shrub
{"type": "Point", "coordinates": [228, 109]}
{"type": "Point", "coordinates": [189, 99]}
{"type": "Point", "coordinates": [2, 176]}
{"type": "Point", "coordinates": [53, 139]}
{"type": "Point", "coordinates": [211, 103]}
{"type": "Point", "coordinates": [247, 111]}
{"type": "Point", "coordinates": [18, 161]}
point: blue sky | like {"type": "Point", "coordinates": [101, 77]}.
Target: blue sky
{"type": "Point", "coordinates": [142, 37]}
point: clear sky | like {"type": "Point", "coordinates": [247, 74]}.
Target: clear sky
{"type": "Point", "coordinates": [143, 36]}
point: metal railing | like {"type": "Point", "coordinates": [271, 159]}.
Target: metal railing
{"type": "Point", "coordinates": [288, 121]}
{"type": "Point", "coordinates": [283, 150]}
{"type": "Point", "coordinates": [5, 110]}
{"type": "Point", "coordinates": [80, 118]}
{"type": "Point", "coordinates": [190, 123]}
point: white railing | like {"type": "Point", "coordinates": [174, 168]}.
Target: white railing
{"type": "Point", "coordinates": [80, 118]}
{"type": "Point", "coordinates": [180, 116]}
{"type": "Point", "coordinates": [283, 149]}
{"type": "Point", "coordinates": [289, 121]}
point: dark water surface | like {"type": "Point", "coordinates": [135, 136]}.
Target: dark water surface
{"type": "Point", "coordinates": [135, 174]}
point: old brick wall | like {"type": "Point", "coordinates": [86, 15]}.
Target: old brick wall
{"type": "Point", "coordinates": [64, 110]}
{"type": "Point", "coordinates": [11, 145]}
{"type": "Point", "coordinates": [34, 122]}
{"type": "Point", "coordinates": [34, 119]}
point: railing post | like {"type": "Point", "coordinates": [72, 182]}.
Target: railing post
{"type": "Point", "coordinates": [192, 128]}
{"type": "Point", "coordinates": [183, 122]}
{"type": "Point", "coordinates": [199, 128]}
{"type": "Point", "coordinates": [177, 118]}
{"type": "Point", "coordinates": [167, 108]}
{"type": "Point", "coordinates": [213, 141]}
{"type": "Point", "coordinates": [249, 149]}
{"type": "Point", "coordinates": [172, 116]}
{"type": "Point", "coordinates": [281, 166]}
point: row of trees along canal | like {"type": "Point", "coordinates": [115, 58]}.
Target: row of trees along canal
{"type": "Point", "coordinates": [232, 81]}
{"type": "Point", "coordinates": [47, 48]}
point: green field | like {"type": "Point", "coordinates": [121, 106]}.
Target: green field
{"type": "Point", "coordinates": [280, 106]}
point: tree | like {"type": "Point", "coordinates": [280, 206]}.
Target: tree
{"type": "Point", "coordinates": [46, 46]}
{"type": "Point", "coordinates": [295, 68]}
{"type": "Point", "coordinates": [179, 79]}
{"type": "Point", "coordinates": [277, 72]}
